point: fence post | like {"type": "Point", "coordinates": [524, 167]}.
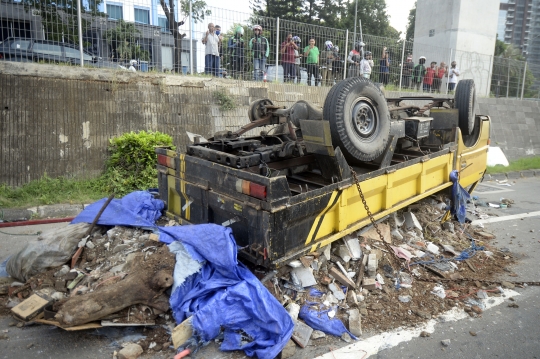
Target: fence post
{"type": "Point", "coordinates": [79, 20]}
{"type": "Point", "coordinates": [523, 83]}
{"type": "Point", "coordinates": [345, 55]}
{"type": "Point", "coordinates": [508, 78]}
{"type": "Point", "coordinates": [490, 74]}
{"type": "Point", "coordinates": [402, 58]}
{"type": "Point", "coordinates": [190, 41]}
{"type": "Point", "coordinates": [448, 78]}
{"type": "Point", "coordinates": [277, 51]}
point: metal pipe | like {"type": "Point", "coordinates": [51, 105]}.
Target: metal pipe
{"type": "Point", "coordinates": [190, 38]}
{"type": "Point", "coordinates": [35, 221]}
{"type": "Point", "coordinates": [402, 58]}
{"type": "Point", "coordinates": [523, 83]}
{"type": "Point", "coordinates": [277, 52]}
{"type": "Point", "coordinates": [79, 19]}
{"type": "Point", "coordinates": [345, 55]}
{"type": "Point", "coordinates": [355, 14]}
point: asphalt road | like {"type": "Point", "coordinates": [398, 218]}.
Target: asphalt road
{"type": "Point", "coordinates": [502, 331]}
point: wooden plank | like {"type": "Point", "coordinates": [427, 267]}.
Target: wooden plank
{"type": "Point", "coordinates": [182, 333]}
{"type": "Point", "coordinates": [93, 325]}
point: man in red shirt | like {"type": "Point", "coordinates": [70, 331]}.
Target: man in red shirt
{"type": "Point", "coordinates": [287, 59]}
{"type": "Point", "coordinates": [428, 79]}
{"type": "Point", "coordinates": [440, 73]}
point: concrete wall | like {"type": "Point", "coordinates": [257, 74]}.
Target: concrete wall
{"type": "Point", "coordinates": [58, 119]}
{"type": "Point", "coordinates": [467, 27]}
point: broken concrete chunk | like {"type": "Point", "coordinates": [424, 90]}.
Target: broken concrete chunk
{"type": "Point", "coordinates": [295, 264]}
{"type": "Point", "coordinates": [411, 221]}
{"type": "Point", "coordinates": [331, 299]}
{"type": "Point", "coordinates": [354, 248]}
{"type": "Point", "coordinates": [90, 245]}
{"type": "Point", "coordinates": [317, 334]}
{"type": "Point", "coordinates": [372, 264]}
{"type": "Point", "coordinates": [154, 237]}
{"type": "Point", "coordinates": [306, 261]}
{"type": "Point", "coordinates": [305, 276]}
{"type": "Point", "coordinates": [396, 233]}
{"type": "Point", "coordinates": [301, 334]}
{"type": "Point", "coordinates": [385, 231]}
{"type": "Point", "coordinates": [368, 283]}
{"type": "Point", "coordinates": [355, 322]}
{"type": "Point", "coordinates": [289, 350]}
{"type": "Point", "coordinates": [450, 249]}
{"type": "Point", "coordinates": [130, 351]}
{"type": "Point", "coordinates": [433, 248]}
{"type": "Point", "coordinates": [346, 337]}
{"type": "Point", "coordinates": [338, 293]}
{"type": "Point", "coordinates": [449, 226]}
{"type": "Point", "coordinates": [398, 219]}
{"type": "Point", "coordinates": [30, 307]}
{"type": "Point", "coordinates": [326, 252]}
{"type": "Point", "coordinates": [293, 309]}
{"type": "Point", "coordinates": [352, 298]}
{"type": "Point", "coordinates": [344, 253]}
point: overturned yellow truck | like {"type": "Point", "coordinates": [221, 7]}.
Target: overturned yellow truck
{"type": "Point", "coordinates": [292, 190]}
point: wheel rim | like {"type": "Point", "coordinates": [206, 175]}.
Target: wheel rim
{"type": "Point", "coordinates": [364, 117]}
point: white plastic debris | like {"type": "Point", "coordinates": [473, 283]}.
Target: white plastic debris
{"type": "Point", "coordinates": [379, 278]}
{"type": "Point", "coordinates": [432, 248]}
{"type": "Point", "coordinates": [406, 279]}
{"type": "Point", "coordinates": [354, 248]}
{"type": "Point", "coordinates": [438, 290]}
{"type": "Point", "coordinates": [295, 264]}
{"type": "Point", "coordinates": [404, 298]}
{"type": "Point", "coordinates": [331, 314]}
{"type": "Point", "coordinates": [305, 276]}
{"type": "Point", "coordinates": [344, 253]}
{"type": "Point", "coordinates": [293, 309]}
{"type": "Point", "coordinates": [397, 234]}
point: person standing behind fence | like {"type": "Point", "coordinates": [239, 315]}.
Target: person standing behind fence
{"type": "Point", "coordinates": [260, 49]}
{"type": "Point", "coordinates": [337, 65]}
{"type": "Point", "coordinates": [311, 52]}
{"type": "Point", "coordinates": [428, 79]}
{"type": "Point", "coordinates": [439, 76]}
{"type": "Point", "coordinates": [407, 72]}
{"type": "Point", "coordinates": [327, 59]}
{"type": "Point", "coordinates": [297, 59]}
{"type": "Point", "coordinates": [418, 73]}
{"type": "Point", "coordinates": [236, 50]}
{"type": "Point", "coordinates": [354, 59]}
{"type": "Point", "coordinates": [365, 67]}
{"type": "Point", "coordinates": [384, 67]}
{"type": "Point", "coordinates": [211, 51]}
{"type": "Point", "coordinates": [287, 58]}
{"type": "Point", "coordinates": [453, 75]}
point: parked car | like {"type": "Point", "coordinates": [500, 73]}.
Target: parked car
{"type": "Point", "coordinates": [30, 50]}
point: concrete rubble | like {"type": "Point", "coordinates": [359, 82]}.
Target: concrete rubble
{"type": "Point", "coordinates": [368, 284]}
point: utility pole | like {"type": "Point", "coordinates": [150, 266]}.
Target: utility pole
{"type": "Point", "coordinates": [355, 14]}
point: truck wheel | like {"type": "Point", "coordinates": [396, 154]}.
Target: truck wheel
{"type": "Point", "coordinates": [359, 118]}
{"type": "Point", "coordinates": [465, 102]}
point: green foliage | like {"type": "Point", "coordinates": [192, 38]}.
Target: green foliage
{"type": "Point", "coordinates": [500, 47]}
{"type": "Point", "coordinates": [132, 165]}
{"type": "Point", "coordinates": [49, 190]}
{"type": "Point", "coordinates": [225, 102]}
{"type": "Point", "coordinates": [528, 163]}
{"type": "Point", "coordinates": [122, 40]}
{"type": "Point", "coordinates": [409, 32]}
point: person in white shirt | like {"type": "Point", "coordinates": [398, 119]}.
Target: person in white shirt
{"type": "Point", "coordinates": [453, 75]}
{"type": "Point", "coordinates": [211, 59]}
{"type": "Point", "coordinates": [365, 66]}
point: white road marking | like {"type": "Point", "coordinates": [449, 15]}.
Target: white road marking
{"type": "Point", "coordinates": [506, 218]}
{"type": "Point", "coordinates": [496, 189]}
{"type": "Point", "coordinates": [371, 346]}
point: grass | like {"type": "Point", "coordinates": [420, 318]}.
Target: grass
{"type": "Point", "coordinates": [50, 191]}
{"type": "Point", "coordinates": [529, 163]}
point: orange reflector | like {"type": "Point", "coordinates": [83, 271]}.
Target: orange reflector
{"type": "Point", "coordinates": [489, 141]}
{"type": "Point", "coordinates": [245, 187]}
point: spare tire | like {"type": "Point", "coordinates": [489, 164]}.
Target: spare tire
{"type": "Point", "coordinates": [359, 119]}
{"type": "Point", "coordinates": [465, 99]}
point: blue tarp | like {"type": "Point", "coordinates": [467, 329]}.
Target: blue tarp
{"type": "Point", "coordinates": [223, 295]}
{"type": "Point", "coordinates": [316, 316]}
{"type": "Point", "coordinates": [459, 198]}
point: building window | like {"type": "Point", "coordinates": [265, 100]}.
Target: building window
{"type": "Point", "coordinates": [115, 12]}
{"type": "Point", "coordinates": [142, 16]}
{"type": "Point", "coordinates": [431, 32]}
{"type": "Point", "coordinates": [163, 22]}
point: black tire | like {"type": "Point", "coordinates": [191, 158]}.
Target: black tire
{"type": "Point", "coordinates": [365, 138]}
{"type": "Point", "coordinates": [465, 102]}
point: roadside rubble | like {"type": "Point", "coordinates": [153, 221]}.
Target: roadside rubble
{"type": "Point", "coordinates": [117, 275]}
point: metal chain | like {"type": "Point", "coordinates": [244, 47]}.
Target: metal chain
{"type": "Point", "coordinates": [372, 219]}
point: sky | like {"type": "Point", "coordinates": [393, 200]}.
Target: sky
{"type": "Point", "coordinates": [397, 9]}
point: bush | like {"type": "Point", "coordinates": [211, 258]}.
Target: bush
{"type": "Point", "coordinates": [132, 165]}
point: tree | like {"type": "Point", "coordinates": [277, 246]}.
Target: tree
{"type": "Point", "coordinates": [500, 47]}
{"type": "Point", "coordinates": [122, 41]}
{"type": "Point", "coordinates": [284, 9]}
{"type": "Point", "coordinates": [59, 18]}
{"type": "Point", "coordinates": [373, 15]}
{"type": "Point", "coordinates": [409, 32]}
{"type": "Point", "coordinates": [198, 8]}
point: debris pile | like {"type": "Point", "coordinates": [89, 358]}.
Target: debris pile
{"type": "Point", "coordinates": [414, 269]}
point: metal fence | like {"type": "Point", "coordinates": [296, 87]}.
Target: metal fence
{"type": "Point", "coordinates": [138, 36]}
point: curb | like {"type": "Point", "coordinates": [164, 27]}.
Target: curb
{"type": "Point", "coordinates": [40, 212]}
{"type": "Point", "coordinates": [512, 175]}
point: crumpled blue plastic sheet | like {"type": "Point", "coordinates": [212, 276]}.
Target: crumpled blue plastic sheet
{"type": "Point", "coordinates": [137, 209]}
{"type": "Point", "coordinates": [223, 295]}
{"type": "Point", "coordinates": [316, 316]}
{"type": "Point", "coordinates": [226, 295]}
{"type": "Point", "coordinates": [459, 198]}
{"type": "Point", "coordinates": [314, 292]}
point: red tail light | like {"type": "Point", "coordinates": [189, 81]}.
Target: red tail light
{"type": "Point", "coordinates": [251, 189]}
{"type": "Point", "coordinates": [166, 161]}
